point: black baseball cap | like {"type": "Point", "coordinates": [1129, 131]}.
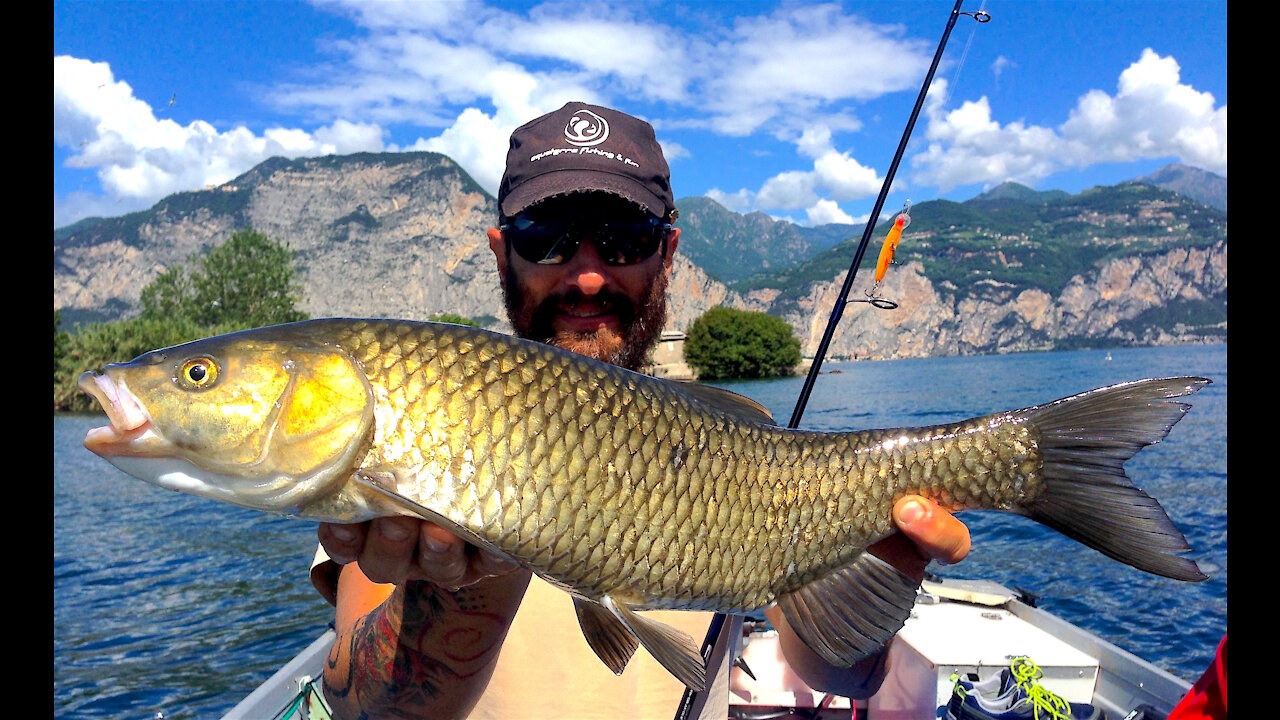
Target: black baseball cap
{"type": "Point", "coordinates": [582, 148]}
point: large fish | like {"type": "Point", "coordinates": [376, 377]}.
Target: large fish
{"type": "Point", "coordinates": [628, 491]}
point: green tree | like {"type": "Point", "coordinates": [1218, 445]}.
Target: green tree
{"type": "Point", "coordinates": [455, 319]}
{"type": "Point", "coordinates": [246, 282]}
{"type": "Point", "coordinates": [169, 295]}
{"type": "Point", "coordinates": [729, 343]}
{"type": "Point", "coordinates": [60, 340]}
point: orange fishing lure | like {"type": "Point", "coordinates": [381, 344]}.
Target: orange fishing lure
{"type": "Point", "coordinates": [891, 243]}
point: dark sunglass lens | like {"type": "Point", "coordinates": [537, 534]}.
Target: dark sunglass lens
{"type": "Point", "coordinates": [547, 243]}
{"type": "Point", "coordinates": [555, 242]}
{"type": "Point", "coordinates": [630, 243]}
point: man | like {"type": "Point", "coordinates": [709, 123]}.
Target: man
{"type": "Point", "coordinates": [430, 626]}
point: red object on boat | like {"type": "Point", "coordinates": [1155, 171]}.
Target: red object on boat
{"type": "Point", "coordinates": [1207, 699]}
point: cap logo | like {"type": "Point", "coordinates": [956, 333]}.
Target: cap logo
{"type": "Point", "coordinates": [586, 128]}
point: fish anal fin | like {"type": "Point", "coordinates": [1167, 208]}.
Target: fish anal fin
{"type": "Point", "coordinates": [673, 649]}
{"type": "Point", "coordinates": [612, 642]}
{"type": "Point", "coordinates": [850, 614]}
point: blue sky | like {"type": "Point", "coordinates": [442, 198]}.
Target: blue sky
{"type": "Point", "coordinates": [790, 108]}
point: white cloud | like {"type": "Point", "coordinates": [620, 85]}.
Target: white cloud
{"type": "Point", "coordinates": [672, 150]}
{"type": "Point", "coordinates": [835, 174]}
{"type": "Point", "coordinates": [740, 201]}
{"type": "Point", "coordinates": [999, 65]}
{"type": "Point", "coordinates": [478, 143]}
{"type": "Point", "coordinates": [400, 15]}
{"type": "Point", "coordinates": [462, 75]}
{"type": "Point", "coordinates": [787, 191]}
{"type": "Point", "coordinates": [789, 67]}
{"type": "Point", "coordinates": [827, 211]}
{"type": "Point", "coordinates": [1152, 115]}
{"type": "Point", "coordinates": [140, 158]}
{"type": "Point", "coordinates": [845, 177]}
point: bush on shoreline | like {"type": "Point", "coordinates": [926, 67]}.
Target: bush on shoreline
{"type": "Point", "coordinates": [726, 343]}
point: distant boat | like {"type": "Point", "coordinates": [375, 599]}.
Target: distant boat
{"type": "Point", "coordinates": [1108, 356]}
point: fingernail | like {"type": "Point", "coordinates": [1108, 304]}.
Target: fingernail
{"type": "Point", "coordinates": [342, 533]}
{"type": "Point", "coordinates": [435, 544]}
{"type": "Point", "coordinates": [913, 511]}
{"type": "Point", "coordinates": [394, 531]}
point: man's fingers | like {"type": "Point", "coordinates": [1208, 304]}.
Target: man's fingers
{"type": "Point", "coordinates": [485, 564]}
{"type": "Point", "coordinates": [442, 557]}
{"type": "Point", "coordinates": [396, 549]}
{"type": "Point", "coordinates": [389, 549]}
{"type": "Point", "coordinates": [937, 534]}
{"type": "Point", "coordinates": [342, 543]}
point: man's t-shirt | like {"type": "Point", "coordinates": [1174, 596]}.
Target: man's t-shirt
{"type": "Point", "coordinates": [546, 669]}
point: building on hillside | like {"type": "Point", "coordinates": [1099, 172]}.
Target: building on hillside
{"type": "Point", "coordinates": [668, 357]}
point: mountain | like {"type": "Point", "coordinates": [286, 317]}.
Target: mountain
{"type": "Point", "coordinates": [1199, 185]}
{"type": "Point", "coordinates": [403, 235]}
{"type": "Point", "coordinates": [1021, 193]}
{"type": "Point", "coordinates": [730, 246]}
{"type": "Point", "coordinates": [387, 234]}
{"type": "Point", "coordinates": [1129, 264]}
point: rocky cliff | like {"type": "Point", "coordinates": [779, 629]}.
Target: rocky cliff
{"type": "Point", "coordinates": [375, 235]}
{"type": "Point", "coordinates": [1106, 307]}
{"type": "Point", "coordinates": [403, 235]}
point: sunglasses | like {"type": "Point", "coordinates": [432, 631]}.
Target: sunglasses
{"type": "Point", "coordinates": [553, 242]}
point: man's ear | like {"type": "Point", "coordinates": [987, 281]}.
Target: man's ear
{"type": "Point", "coordinates": [499, 248]}
{"type": "Point", "coordinates": [673, 240]}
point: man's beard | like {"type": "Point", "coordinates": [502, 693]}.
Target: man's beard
{"type": "Point", "coordinates": [641, 327]}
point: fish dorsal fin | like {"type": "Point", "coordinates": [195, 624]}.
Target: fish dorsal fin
{"type": "Point", "coordinates": [612, 642]}
{"type": "Point", "coordinates": [850, 614]}
{"type": "Point", "coordinates": [729, 402]}
{"type": "Point", "coordinates": [674, 650]}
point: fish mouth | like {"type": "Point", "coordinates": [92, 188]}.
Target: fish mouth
{"type": "Point", "coordinates": [130, 430]}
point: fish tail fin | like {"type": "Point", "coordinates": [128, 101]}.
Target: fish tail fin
{"type": "Point", "coordinates": [1085, 441]}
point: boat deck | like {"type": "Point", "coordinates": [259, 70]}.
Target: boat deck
{"type": "Point", "coordinates": [957, 626]}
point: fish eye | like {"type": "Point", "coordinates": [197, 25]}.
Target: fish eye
{"type": "Point", "coordinates": [198, 373]}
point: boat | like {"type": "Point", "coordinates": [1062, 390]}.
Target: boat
{"type": "Point", "coordinates": [957, 626]}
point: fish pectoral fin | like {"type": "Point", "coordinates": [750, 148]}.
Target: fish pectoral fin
{"type": "Point", "coordinates": [378, 484]}
{"type": "Point", "coordinates": [674, 650]}
{"type": "Point", "coordinates": [612, 642]}
{"type": "Point", "coordinates": [850, 614]}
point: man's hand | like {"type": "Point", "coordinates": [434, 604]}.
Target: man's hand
{"type": "Point", "coordinates": [397, 549]}
{"type": "Point", "coordinates": [926, 532]}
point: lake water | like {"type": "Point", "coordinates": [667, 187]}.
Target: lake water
{"type": "Point", "coordinates": [168, 603]}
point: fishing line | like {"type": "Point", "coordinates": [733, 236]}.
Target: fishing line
{"type": "Point", "coordinates": [980, 16]}
{"type": "Point", "coordinates": [717, 622]}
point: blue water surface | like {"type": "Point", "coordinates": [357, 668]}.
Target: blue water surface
{"type": "Point", "coordinates": [168, 603]}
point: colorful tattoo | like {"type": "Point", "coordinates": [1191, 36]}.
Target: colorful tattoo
{"type": "Point", "coordinates": [406, 655]}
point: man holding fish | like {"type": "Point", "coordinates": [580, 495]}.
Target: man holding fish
{"type": "Point", "coordinates": [430, 625]}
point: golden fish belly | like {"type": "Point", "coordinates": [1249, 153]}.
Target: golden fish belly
{"type": "Point", "coordinates": [610, 482]}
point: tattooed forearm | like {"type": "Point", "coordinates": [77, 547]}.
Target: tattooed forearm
{"type": "Point", "coordinates": [424, 652]}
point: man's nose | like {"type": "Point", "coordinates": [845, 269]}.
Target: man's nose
{"type": "Point", "coordinates": [587, 271]}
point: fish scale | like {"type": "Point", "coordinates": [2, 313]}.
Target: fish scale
{"type": "Point", "coordinates": [629, 491]}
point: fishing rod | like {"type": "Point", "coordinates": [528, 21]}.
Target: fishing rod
{"type": "Point", "coordinates": [837, 310]}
